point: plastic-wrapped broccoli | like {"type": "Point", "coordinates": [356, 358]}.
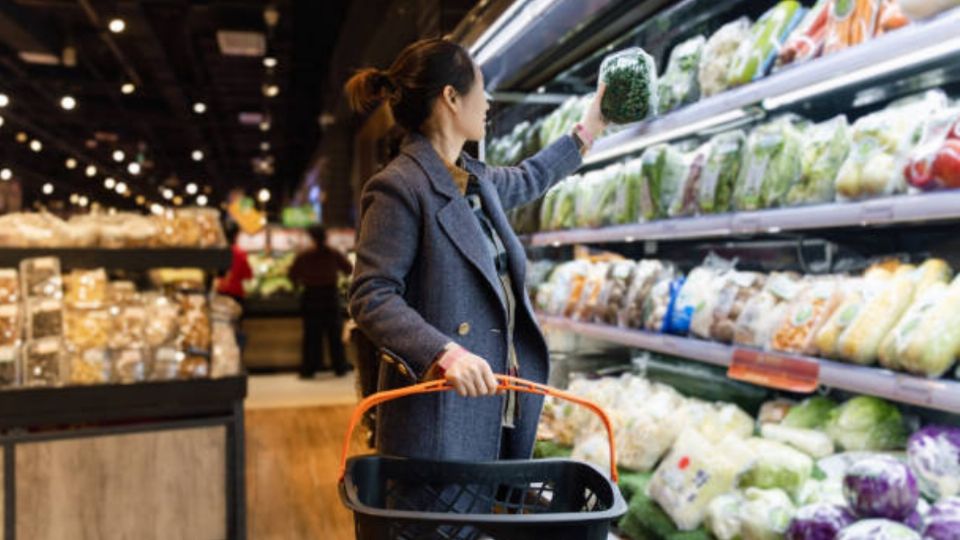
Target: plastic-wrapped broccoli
{"type": "Point", "coordinates": [631, 79]}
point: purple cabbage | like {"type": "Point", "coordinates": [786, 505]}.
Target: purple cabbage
{"type": "Point", "coordinates": [933, 454]}
{"type": "Point", "coordinates": [878, 529]}
{"type": "Point", "coordinates": [914, 521]}
{"type": "Point", "coordinates": [819, 522]}
{"type": "Point", "coordinates": [881, 487]}
{"type": "Point", "coordinates": [943, 521]}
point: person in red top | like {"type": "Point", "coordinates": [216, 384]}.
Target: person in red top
{"type": "Point", "coordinates": [240, 271]}
{"type": "Point", "coordinates": [318, 269]}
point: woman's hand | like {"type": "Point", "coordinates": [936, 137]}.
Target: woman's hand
{"type": "Point", "coordinates": [469, 374]}
{"type": "Point", "coordinates": [593, 120]}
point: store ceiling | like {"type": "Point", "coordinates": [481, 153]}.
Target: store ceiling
{"type": "Point", "coordinates": [176, 55]}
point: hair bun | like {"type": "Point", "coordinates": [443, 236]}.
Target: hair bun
{"type": "Point", "coordinates": [368, 88]}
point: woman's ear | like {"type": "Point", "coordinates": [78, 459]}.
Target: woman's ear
{"type": "Point", "coordinates": [450, 96]}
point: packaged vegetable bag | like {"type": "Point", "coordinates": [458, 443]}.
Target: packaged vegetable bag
{"type": "Point", "coordinates": [626, 208]}
{"type": "Point", "coordinates": [935, 162]}
{"type": "Point", "coordinates": [631, 79]}
{"type": "Point", "coordinates": [717, 55]}
{"type": "Point", "coordinates": [678, 84]}
{"type": "Point", "coordinates": [771, 165]}
{"type": "Point", "coordinates": [806, 316]}
{"type": "Point", "coordinates": [663, 169]}
{"type": "Point", "coordinates": [719, 176]}
{"type": "Point", "coordinates": [860, 291]}
{"type": "Point", "coordinates": [932, 337]}
{"type": "Point", "coordinates": [685, 202]}
{"type": "Point", "coordinates": [806, 41]}
{"type": "Point", "coordinates": [825, 147]}
{"type": "Point", "coordinates": [851, 22]}
{"type": "Point", "coordinates": [756, 54]}
{"type": "Point", "coordinates": [860, 342]}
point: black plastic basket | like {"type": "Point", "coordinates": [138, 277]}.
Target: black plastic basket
{"type": "Point", "coordinates": [410, 499]}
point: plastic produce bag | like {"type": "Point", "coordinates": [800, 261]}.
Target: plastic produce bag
{"type": "Point", "coordinates": [648, 273]}
{"type": "Point", "coordinates": [699, 291]}
{"type": "Point", "coordinates": [859, 293]}
{"type": "Point", "coordinates": [631, 79]}
{"type": "Point", "coordinates": [806, 316]}
{"type": "Point", "coordinates": [765, 514]}
{"type": "Point", "coordinates": [763, 314]}
{"type": "Point", "coordinates": [678, 85]}
{"type": "Point", "coordinates": [664, 168]}
{"type": "Point", "coordinates": [881, 487]}
{"type": "Point", "coordinates": [626, 207]}
{"type": "Point", "coordinates": [723, 516]}
{"type": "Point", "coordinates": [860, 342]}
{"type": "Point", "coordinates": [659, 304]}
{"type": "Point", "coordinates": [933, 454]}
{"type": "Point", "coordinates": [718, 53]}
{"type": "Point", "coordinates": [927, 340]}
{"type": "Point", "coordinates": [738, 290]}
{"type": "Point", "coordinates": [851, 22]}
{"type": "Point", "coordinates": [613, 296]}
{"type": "Point", "coordinates": [867, 423]}
{"type": "Point", "coordinates": [825, 147]}
{"type": "Point", "coordinates": [776, 466]}
{"type": "Point", "coordinates": [562, 120]}
{"type": "Point", "coordinates": [685, 203]}
{"type": "Point", "coordinates": [756, 54]}
{"type": "Point", "coordinates": [582, 308]}
{"type": "Point", "coordinates": [806, 41]}
{"type": "Point", "coordinates": [922, 9]}
{"type": "Point", "coordinates": [811, 442]}
{"type": "Point", "coordinates": [564, 212]}
{"type": "Point", "coordinates": [771, 165]}
{"type": "Point", "coordinates": [719, 176]}
{"type": "Point", "coordinates": [935, 162]}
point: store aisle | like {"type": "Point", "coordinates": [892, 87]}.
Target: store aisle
{"type": "Point", "coordinates": [294, 433]}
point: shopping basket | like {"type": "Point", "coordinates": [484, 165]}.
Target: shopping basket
{"type": "Point", "coordinates": [412, 499]}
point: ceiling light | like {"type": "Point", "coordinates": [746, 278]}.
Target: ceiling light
{"type": "Point", "coordinates": [167, 193]}
{"type": "Point", "coordinates": [1, 121]}
{"type": "Point", "coordinates": [109, 183]}
{"type": "Point", "coordinates": [68, 103]}
{"type": "Point", "coordinates": [197, 155]}
{"type": "Point", "coordinates": [91, 171]}
{"type": "Point", "coordinates": [133, 168]}
{"type": "Point", "coordinates": [128, 88]}
{"type": "Point", "coordinates": [48, 188]}
{"type": "Point", "coordinates": [83, 201]}
{"type": "Point", "coordinates": [264, 146]}
{"type": "Point", "coordinates": [36, 145]}
{"type": "Point", "coordinates": [265, 126]}
{"type": "Point", "coordinates": [199, 107]}
{"type": "Point", "coordinates": [71, 163]}
{"type": "Point", "coordinates": [4, 100]}
{"type": "Point", "coordinates": [22, 137]}
{"type": "Point", "coordinates": [119, 156]}
{"type": "Point", "coordinates": [140, 200]}
{"type": "Point", "coordinates": [156, 209]}
{"type": "Point", "coordinates": [263, 195]}
{"type": "Point", "coordinates": [178, 200]}
{"type": "Point", "coordinates": [6, 174]}
{"type": "Point", "coordinates": [202, 200]}
{"type": "Point", "coordinates": [117, 25]}
{"type": "Point", "coordinates": [74, 198]}
{"type": "Point", "coordinates": [269, 62]}
{"type": "Point", "coordinates": [121, 188]}
{"type": "Point", "coordinates": [271, 90]}
{"type": "Point", "coordinates": [191, 189]}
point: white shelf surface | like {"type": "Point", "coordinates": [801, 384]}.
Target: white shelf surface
{"type": "Point", "coordinates": [941, 394]}
{"type": "Point", "coordinates": [917, 208]}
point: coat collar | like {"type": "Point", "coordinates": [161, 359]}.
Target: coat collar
{"type": "Point", "coordinates": [418, 148]}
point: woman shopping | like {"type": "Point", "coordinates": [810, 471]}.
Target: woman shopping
{"type": "Point", "coordinates": [439, 279]}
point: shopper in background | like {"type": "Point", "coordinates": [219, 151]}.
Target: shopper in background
{"type": "Point", "coordinates": [317, 269]}
{"type": "Point", "coordinates": [232, 283]}
{"type": "Point", "coordinates": [439, 284]}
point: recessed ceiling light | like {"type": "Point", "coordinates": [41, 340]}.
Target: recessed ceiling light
{"type": "Point", "coordinates": [4, 100]}
{"type": "Point", "coordinates": [119, 156]}
{"type": "Point", "coordinates": [265, 126]}
{"type": "Point", "coordinates": [167, 193]}
{"type": "Point", "coordinates": [74, 198]}
{"type": "Point", "coordinates": [121, 188]}
{"type": "Point", "coordinates": [191, 189]}
{"type": "Point", "coordinates": [264, 146]}
{"type": "Point", "coordinates": [128, 88]}
{"type": "Point", "coordinates": [71, 163]}
{"type": "Point", "coordinates": [264, 195]}
{"type": "Point", "coordinates": [133, 168]}
{"type": "Point", "coordinates": [6, 174]}
{"type": "Point", "coordinates": [36, 145]}
{"type": "Point", "coordinates": [269, 62]}
{"type": "Point", "coordinates": [202, 200]}
{"type": "Point", "coordinates": [156, 209]}
{"type": "Point", "coordinates": [199, 107]}
{"type": "Point", "coordinates": [91, 171]}
{"type": "Point", "coordinates": [68, 103]}
{"type": "Point", "coordinates": [47, 188]}
{"type": "Point", "coordinates": [22, 137]}
{"type": "Point", "coordinates": [83, 201]}
{"type": "Point", "coordinates": [117, 25]}
{"type": "Point", "coordinates": [271, 90]}
{"type": "Point", "coordinates": [197, 155]}
{"type": "Point", "coordinates": [140, 200]}
{"type": "Point", "coordinates": [178, 200]}
{"type": "Point", "coordinates": [109, 183]}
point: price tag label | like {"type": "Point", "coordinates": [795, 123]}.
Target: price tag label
{"type": "Point", "coordinates": [668, 345]}
{"type": "Point", "coordinates": [915, 390]}
{"type": "Point", "coordinates": [773, 370]}
{"type": "Point", "coordinates": [876, 212]}
{"type": "Point", "coordinates": [746, 224]}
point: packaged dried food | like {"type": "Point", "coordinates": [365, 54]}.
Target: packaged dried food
{"type": "Point", "coordinates": [225, 356]}
{"type": "Point", "coordinates": [553, 296]}
{"type": "Point", "coordinates": [194, 367]}
{"type": "Point", "coordinates": [121, 292]}
{"type": "Point", "coordinates": [806, 41]}
{"type": "Point", "coordinates": [756, 54]}
{"type": "Point", "coordinates": [737, 292]}
{"type": "Point", "coordinates": [162, 319]}
{"type": "Point", "coordinates": [178, 229]}
{"type": "Point", "coordinates": [88, 328]}
{"type": "Point", "coordinates": [129, 365]}
{"type": "Point", "coordinates": [664, 168]}
{"type": "Point", "coordinates": [89, 366]}
{"type": "Point", "coordinates": [659, 304]}
{"type": "Point", "coordinates": [85, 288]}
{"type": "Point", "coordinates": [613, 296]}
{"type": "Point", "coordinates": [647, 274]}
{"type": "Point", "coordinates": [9, 367]}
{"type": "Point", "coordinates": [719, 176]}
{"type": "Point", "coordinates": [195, 322]}
{"type": "Point", "coordinates": [806, 315]}
{"type": "Point", "coordinates": [9, 325]}
{"type": "Point", "coordinates": [678, 84]}
{"type": "Point", "coordinates": [631, 79]}
{"type": "Point", "coordinates": [763, 313]}
{"type": "Point", "coordinates": [41, 277]}
{"type": "Point", "coordinates": [9, 286]}
{"type": "Point", "coordinates": [166, 364]}
{"type": "Point", "coordinates": [208, 221]}
{"type": "Point", "coordinates": [45, 318]}
{"type": "Point", "coordinates": [42, 361]}
{"type": "Point", "coordinates": [851, 22]}
{"type": "Point", "coordinates": [129, 323]}
{"type": "Point", "coordinates": [718, 52]}
{"type": "Point", "coordinates": [582, 307]}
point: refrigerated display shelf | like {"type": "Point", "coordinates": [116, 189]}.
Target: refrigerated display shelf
{"type": "Point", "coordinates": [138, 259]}
{"type": "Point", "coordinates": [921, 208]}
{"type": "Point", "coordinates": [898, 52]}
{"type": "Point", "coordinates": [940, 394]}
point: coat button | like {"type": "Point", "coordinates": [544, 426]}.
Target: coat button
{"type": "Point", "coordinates": [463, 329]}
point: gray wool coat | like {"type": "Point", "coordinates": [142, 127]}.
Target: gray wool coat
{"type": "Point", "coordinates": [424, 277]}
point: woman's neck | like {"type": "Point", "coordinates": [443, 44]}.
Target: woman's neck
{"type": "Point", "coordinates": [447, 146]}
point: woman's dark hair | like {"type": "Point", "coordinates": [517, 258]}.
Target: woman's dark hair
{"type": "Point", "coordinates": [318, 233]}
{"type": "Point", "coordinates": [414, 81]}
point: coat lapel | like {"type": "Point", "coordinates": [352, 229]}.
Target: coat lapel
{"type": "Point", "coordinates": [515, 254]}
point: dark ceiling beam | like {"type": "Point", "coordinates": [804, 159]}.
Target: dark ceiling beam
{"type": "Point", "coordinates": [21, 31]}
{"type": "Point", "coordinates": [111, 43]}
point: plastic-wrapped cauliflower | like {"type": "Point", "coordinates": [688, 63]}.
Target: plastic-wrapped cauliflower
{"type": "Point", "coordinates": [594, 449]}
{"type": "Point", "coordinates": [765, 514]}
{"type": "Point", "coordinates": [777, 466]}
{"type": "Point", "coordinates": [723, 516]}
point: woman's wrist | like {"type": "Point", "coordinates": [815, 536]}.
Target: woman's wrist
{"type": "Point", "coordinates": [451, 355]}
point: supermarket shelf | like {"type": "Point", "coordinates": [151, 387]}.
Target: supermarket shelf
{"type": "Point", "coordinates": [926, 42]}
{"type": "Point", "coordinates": [938, 394]}
{"type": "Point", "coordinates": [123, 259]}
{"type": "Point", "coordinates": [928, 207]}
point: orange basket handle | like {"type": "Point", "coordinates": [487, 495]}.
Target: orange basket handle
{"type": "Point", "coordinates": [505, 383]}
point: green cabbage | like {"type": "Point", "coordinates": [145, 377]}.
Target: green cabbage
{"type": "Point", "coordinates": [777, 466]}
{"type": "Point", "coordinates": [867, 423]}
{"type": "Point", "coordinates": [813, 413]}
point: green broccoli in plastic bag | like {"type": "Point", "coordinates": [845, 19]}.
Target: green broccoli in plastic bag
{"type": "Point", "coordinates": [631, 79]}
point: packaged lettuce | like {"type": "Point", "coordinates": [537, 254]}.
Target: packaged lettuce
{"type": "Point", "coordinates": [717, 54]}
{"type": "Point", "coordinates": [771, 165]}
{"type": "Point", "coordinates": [589, 195]}
{"type": "Point", "coordinates": [678, 84]}
{"type": "Point", "coordinates": [685, 203]}
{"type": "Point", "coordinates": [756, 54]}
{"type": "Point", "coordinates": [610, 190]}
{"type": "Point", "coordinates": [825, 147]}
{"type": "Point", "coordinates": [719, 176]}
{"type": "Point", "coordinates": [631, 79]}
{"type": "Point", "coordinates": [564, 212]}
{"type": "Point", "coordinates": [562, 120]}
{"type": "Point", "coordinates": [548, 206]}
{"type": "Point", "coordinates": [663, 168]}
{"type": "Point", "coordinates": [626, 207]}
{"type": "Point", "coordinates": [777, 466]}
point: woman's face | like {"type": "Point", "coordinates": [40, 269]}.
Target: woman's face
{"type": "Point", "coordinates": [471, 111]}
